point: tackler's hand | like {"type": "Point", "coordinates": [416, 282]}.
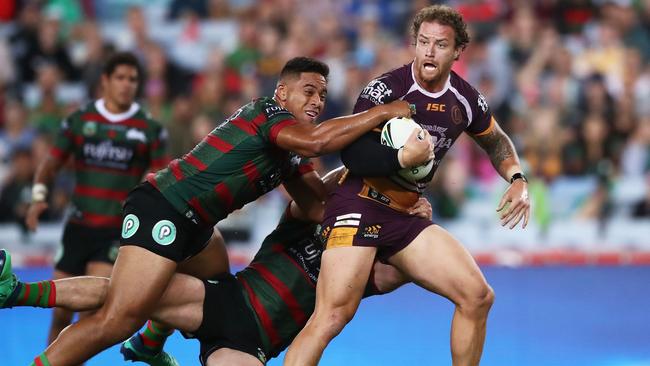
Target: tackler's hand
{"type": "Point", "coordinates": [515, 205]}
{"type": "Point", "coordinates": [422, 208]}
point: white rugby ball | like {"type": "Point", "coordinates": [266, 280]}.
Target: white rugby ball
{"type": "Point", "coordinates": [394, 134]}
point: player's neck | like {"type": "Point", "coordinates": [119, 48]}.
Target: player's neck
{"type": "Point", "coordinates": [433, 86]}
{"type": "Point", "coordinates": [115, 108]}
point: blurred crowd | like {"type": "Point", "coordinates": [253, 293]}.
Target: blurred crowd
{"type": "Point", "coordinates": [568, 80]}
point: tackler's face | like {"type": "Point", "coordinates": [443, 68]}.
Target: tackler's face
{"type": "Point", "coordinates": [303, 96]}
{"type": "Point", "coordinates": [435, 53]}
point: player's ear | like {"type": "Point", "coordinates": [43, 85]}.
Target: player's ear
{"type": "Point", "coordinates": [281, 92]}
{"type": "Point", "coordinates": [456, 54]}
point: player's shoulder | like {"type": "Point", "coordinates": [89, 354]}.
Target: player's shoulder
{"type": "Point", "coordinates": [271, 108]}
{"type": "Point", "coordinates": [389, 86]}
{"type": "Point", "coordinates": [462, 86]}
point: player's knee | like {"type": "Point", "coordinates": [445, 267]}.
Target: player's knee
{"type": "Point", "coordinates": [478, 300]}
{"type": "Point", "coordinates": [117, 326]}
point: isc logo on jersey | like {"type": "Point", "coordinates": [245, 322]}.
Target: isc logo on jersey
{"type": "Point", "coordinates": [376, 91]}
{"type": "Point", "coordinates": [394, 134]}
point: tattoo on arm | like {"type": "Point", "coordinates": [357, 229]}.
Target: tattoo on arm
{"type": "Point", "coordinates": [497, 145]}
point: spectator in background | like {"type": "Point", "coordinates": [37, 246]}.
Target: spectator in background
{"type": "Point", "coordinates": [47, 50]}
{"type": "Point", "coordinates": [47, 112]}
{"type": "Point", "coordinates": [16, 132]}
{"type": "Point", "coordinates": [15, 195]}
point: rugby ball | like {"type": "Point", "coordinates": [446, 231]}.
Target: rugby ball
{"type": "Point", "coordinates": [394, 134]}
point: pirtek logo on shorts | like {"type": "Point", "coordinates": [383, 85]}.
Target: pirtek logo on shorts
{"type": "Point", "coordinates": [130, 225]}
{"type": "Point", "coordinates": [164, 232]}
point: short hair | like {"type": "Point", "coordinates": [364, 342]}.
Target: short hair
{"type": "Point", "coordinates": [446, 16]}
{"type": "Point", "coordinates": [298, 65]}
{"type": "Point", "coordinates": [118, 59]}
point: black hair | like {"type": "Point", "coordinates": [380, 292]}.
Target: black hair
{"type": "Point", "coordinates": [118, 59]}
{"type": "Point", "coordinates": [298, 65]}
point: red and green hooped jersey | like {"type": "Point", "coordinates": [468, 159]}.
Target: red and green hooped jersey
{"type": "Point", "coordinates": [280, 283]}
{"type": "Point", "coordinates": [235, 164]}
{"type": "Point", "coordinates": [111, 154]}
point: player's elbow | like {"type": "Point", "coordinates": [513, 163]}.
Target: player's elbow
{"type": "Point", "coordinates": [315, 147]}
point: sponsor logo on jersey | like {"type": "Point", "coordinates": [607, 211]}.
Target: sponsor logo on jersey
{"type": "Point", "coordinates": [436, 107]}
{"type": "Point", "coordinates": [89, 128]}
{"type": "Point", "coordinates": [107, 153]}
{"type": "Point", "coordinates": [164, 232]}
{"type": "Point", "coordinates": [274, 111]}
{"type": "Point", "coordinates": [371, 231]}
{"type": "Point", "coordinates": [482, 103]}
{"type": "Point", "coordinates": [376, 91]}
{"type": "Point", "coordinates": [130, 225]}
{"type": "Point", "coordinates": [135, 134]}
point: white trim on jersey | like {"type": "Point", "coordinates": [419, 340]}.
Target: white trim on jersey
{"type": "Point", "coordinates": [349, 216]}
{"type": "Point", "coordinates": [417, 86]}
{"type": "Point", "coordinates": [101, 108]}
{"type": "Point", "coordinates": [347, 223]}
{"type": "Point", "coordinates": [464, 101]}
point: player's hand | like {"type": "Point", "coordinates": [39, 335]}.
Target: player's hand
{"type": "Point", "coordinates": [515, 205]}
{"type": "Point", "coordinates": [398, 108]}
{"type": "Point", "coordinates": [417, 150]}
{"type": "Point", "coordinates": [422, 208]}
{"type": "Point", "coordinates": [33, 212]}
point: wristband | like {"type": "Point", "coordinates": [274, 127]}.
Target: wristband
{"type": "Point", "coordinates": [39, 192]}
{"type": "Point", "coordinates": [518, 176]}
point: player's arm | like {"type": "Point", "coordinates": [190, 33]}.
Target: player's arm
{"type": "Point", "coordinates": [329, 183]}
{"type": "Point", "coordinates": [503, 156]}
{"type": "Point", "coordinates": [47, 170]}
{"type": "Point", "coordinates": [44, 175]}
{"type": "Point", "coordinates": [385, 160]}
{"type": "Point", "coordinates": [334, 134]}
{"type": "Point", "coordinates": [308, 194]}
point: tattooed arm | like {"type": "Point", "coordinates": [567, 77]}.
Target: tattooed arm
{"type": "Point", "coordinates": [501, 151]}
{"type": "Point", "coordinates": [504, 158]}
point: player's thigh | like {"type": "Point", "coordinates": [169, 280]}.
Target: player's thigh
{"type": "Point", "coordinates": [139, 279]}
{"type": "Point", "coordinates": [181, 306]}
{"type": "Point", "coordinates": [231, 357]}
{"type": "Point", "coordinates": [386, 277]}
{"type": "Point", "coordinates": [210, 261]}
{"type": "Point", "coordinates": [343, 276]}
{"type": "Point", "coordinates": [438, 262]}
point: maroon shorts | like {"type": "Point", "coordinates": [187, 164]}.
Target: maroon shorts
{"type": "Point", "coordinates": [351, 220]}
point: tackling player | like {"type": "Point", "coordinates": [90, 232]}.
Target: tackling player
{"type": "Point", "coordinates": [365, 215]}
{"type": "Point", "coordinates": [113, 142]}
{"type": "Point", "coordinates": [170, 217]}
{"type": "Point", "coordinates": [242, 320]}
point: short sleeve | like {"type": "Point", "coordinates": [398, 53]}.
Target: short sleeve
{"type": "Point", "coordinates": [159, 158]}
{"type": "Point", "coordinates": [64, 141]}
{"type": "Point", "coordinates": [482, 121]}
{"type": "Point", "coordinates": [275, 118]}
{"type": "Point", "coordinates": [382, 90]}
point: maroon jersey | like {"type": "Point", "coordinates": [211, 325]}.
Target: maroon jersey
{"type": "Point", "coordinates": [445, 115]}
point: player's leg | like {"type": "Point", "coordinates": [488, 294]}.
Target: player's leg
{"type": "Point", "coordinates": [96, 269]}
{"type": "Point", "coordinates": [342, 280]}
{"type": "Point", "coordinates": [385, 278]}
{"type": "Point", "coordinates": [139, 279]}
{"type": "Point", "coordinates": [438, 262]}
{"type": "Point", "coordinates": [230, 357]}
{"type": "Point", "coordinates": [181, 307]}
{"type": "Point", "coordinates": [61, 317]}
{"type": "Point", "coordinates": [210, 261]}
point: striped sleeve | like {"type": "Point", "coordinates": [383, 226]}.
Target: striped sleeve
{"type": "Point", "coordinates": [276, 118]}
{"type": "Point", "coordinates": [159, 158]}
{"type": "Point", "coordinates": [64, 141]}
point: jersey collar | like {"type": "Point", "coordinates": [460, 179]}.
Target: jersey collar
{"type": "Point", "coordinates": [100, 105]}
{"type": "Point", "coordinates": [417, 86]}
